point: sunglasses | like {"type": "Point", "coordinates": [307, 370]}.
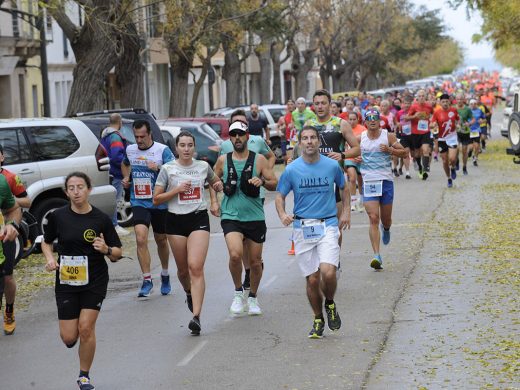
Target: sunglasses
{"type": "Point", "coordinates": [237, 133]}
{"type": "Point", "coordinates": [371, 118]}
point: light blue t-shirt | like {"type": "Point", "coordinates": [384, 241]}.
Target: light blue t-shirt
{"type": "Point", "coordinates": [477, 114]}
{"type": "Point", "coordinates": [313, 188]}
{"type": "Point", "coordinates": [143, 178]}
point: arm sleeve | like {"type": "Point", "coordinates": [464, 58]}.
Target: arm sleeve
{"type": "Point", "coordinates": [162, 178]}
{"type": "Point", "coordinates": [284, 184]}
{"type": "Point", "coordinates": [117, 149]}
{"type": "Point", "coordinates": [50, 233]}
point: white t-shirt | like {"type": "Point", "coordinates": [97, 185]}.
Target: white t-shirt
{"type": "Point", "coordinates": [173, 173]}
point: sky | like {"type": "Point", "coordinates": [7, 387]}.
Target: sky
{"type": "Point", "coordinates": [462, 29]}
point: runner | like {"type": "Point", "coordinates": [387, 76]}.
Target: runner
{"type": "Point", "coordinates": [404, 131]}
{"type": "Point", "coordinates": [474, 133]}
{"type": "Point", "coordinates": [419, 114]}
{"type": "Point", "coordinates": [181, 184]}
{"type": "Point", "coordinates": [466, 120]}
{"type": "Point", "coordinates": [353, 168]}
{"type": "Point", "coordinates": [242, 212]}
{"type": "Point", "coordinates": [142, 162]}
{"type": "Point", "coordinates": [302, 114]}
{"type": "Point", "coordinates": [259, 146]}
{"type": "Point", "coordinates": [445, 120]}
{"type": "Point", "coordinates": [377, 148]}
{"type": "Point", "coordinates": [313, 178]}
{"type": "Point", "coordinates": [85, 235]}
{"type": "Point", "coordinates": [286, 128]}
{"type": "Point", "coordinates": [258, 124]}
{"type": "Point", "coordinates": [9, 248]}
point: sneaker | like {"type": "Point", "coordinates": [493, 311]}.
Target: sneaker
{"type": "Point", "coordinates": [9, 323]}
{"type": "Point", "coordinates": [254, 309]}
{"type": "Point", "coordinates": [377, 262]}
{"type": "Point", "coordinates": [166, 287]}
{"type": "Point", "coordinates": [385, 235]}
{"type": "Point", "coordinates": [475, 163]}
{"type": "Point", "coordinates": [420, 175]}
{"type": "Point", "coordinates": [394, 171]}
{"type": "Point", "coordinates": [146, 289]}
{"type": "Point", "coordinates": [237, 307]}
{"type": "Point", "coordinates": [317, 329]}
{"type": "Point", "coordinates": [425, 175]}
{"type": "Point", "coordinates": [194, 326]}
{"type": "Point", "coordinates": [453, 173]}
{"type": "Point", "coordinates": [333, 320]}
{"type": "Point", "coordinates": [464, 170]}
{"type": "Point", "coordinates": [189, 302]}
{"type": "Point", "coordinates": [121, 231]}
{"type": "Point", "coordinates": [450, 183]}
{"type": "Point", "coordinates": [408, 177]}
{"type": "Point", "coordinates": [84, 383]}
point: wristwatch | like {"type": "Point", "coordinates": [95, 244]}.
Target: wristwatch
{"type": "Point", "coordinates": [343, 156]}
{"type": "Point", "coordinates": [109, 252]}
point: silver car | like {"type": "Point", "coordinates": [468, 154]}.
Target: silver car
{"type": "Point", "coordinates": [44, 151]}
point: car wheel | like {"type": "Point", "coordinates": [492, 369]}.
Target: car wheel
{"type": "Point", "coordinates": [42, 210]}
{"type": "Point", "coordinates": [125, 217]}
{"type": "Point", "coordinates": [514, 132]}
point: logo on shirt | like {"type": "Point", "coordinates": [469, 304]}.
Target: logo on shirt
{"type": "Point", "coordinates": [89, 235]}
{"type": "Point", "coordinates": [314, 182]}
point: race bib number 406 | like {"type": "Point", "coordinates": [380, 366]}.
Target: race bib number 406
{"type": "Point", "coordinates": [74, 270]}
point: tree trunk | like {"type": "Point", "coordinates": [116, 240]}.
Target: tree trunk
{"type": "Point", "coordinates": [325, 77]}
{"type": "Point", "coordinates": [231, 73]}
{"type": "Point", "coordinates": [180, 70]}
{"type": "Point", "coordinates": [300, 71]}
{"type": "Point", "coordinates": [263, 52]}
{"type": "Point", "coordinates": [130, 70]}
{"type": "Point", "coordinates": [206, 63]}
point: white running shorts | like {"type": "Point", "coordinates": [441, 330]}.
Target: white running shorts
{"type": "Point", "coordinates": [311, 255]}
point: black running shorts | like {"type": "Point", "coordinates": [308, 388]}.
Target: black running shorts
{"type": "Point", "coordinates": [185, 224]}
{"type": "Point", "coordinates": [464, 138]}
{"type": "Point", "coordinates": [155, 217]}
{"type": "Point", "coordinates": [443, 147]}
{"type": "Point", "coordinates": [71, 303]}
{"type": "Point", "coordinates": [418, 140]}
{"type": "Point", "coordinates": [252, 230]}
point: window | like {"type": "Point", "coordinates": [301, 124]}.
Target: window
{"type": "Point", "coordinates": [217, 127]}
{"type": "Point", "coordinates": [276, 113]}
{"type": "Point", "coordinates": [52, 143]}
{"type": "Point", "coordinates": [16, 149]}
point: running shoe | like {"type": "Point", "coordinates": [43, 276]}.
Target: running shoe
{"type": "Point", "coordinates": [9, 323]}
{"type": "Point", "coordinates": [333, 319]}
{"type": "Point", "coordinates": [189, 302]}
{"type": "Point", "coordinates": [166, 287]}
{"type": "Point", "coordinates": [408, 177]}
{"type": "Point", "coordinates": [194, 326]}
{"type": "Point", "coordinates": [453, 173]}
{"type": "Point", "coordinates": [425, 175]}
{"type": "Point", "coordinates": [146, 289]}
{"type": "Point", "coordinates": [450, 183]}
{"type": "Point", "coordinates": [385, 235]}
{"type": "Point", "coordinates": [254, 309]}
{"type": "Point", "coordinates": [464, 170]}
{"type": "Point", "coordinates": [317, 329]}
{"type": "Point", "coordinates": [237, 307]}
{"type": "Point", "coordinates": [377, 262]}
{"type": "Point", "coordinates": [475, 163]}
{"type": "Point", "coordinates": [84, 383]}
{"type": "Point", "coordinates": [420, 175]}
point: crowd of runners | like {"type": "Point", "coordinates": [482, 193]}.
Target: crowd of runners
{"type": "Point", "coordinates": [341, 156]}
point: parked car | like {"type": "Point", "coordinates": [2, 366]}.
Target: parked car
{"type": "Point", "coordinates": [271, 112]}
{"type": "Point", "coordinates": [43, 151]}
{"type": "Point", "coordinates": [207, 142]}
{"type": "Point", "coordinates": [98, 120]}
{"type": "Point", "coordinates": [514, 131]}
{"type": "Point", "coordinates": [508, 110]}
{"type": "Point", "coordinates": [219, 124]}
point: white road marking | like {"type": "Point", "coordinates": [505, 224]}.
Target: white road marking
{"type": "Point", "coordinates": [269, 282]}
{"type": "Point", "coordinates": [192, 354]}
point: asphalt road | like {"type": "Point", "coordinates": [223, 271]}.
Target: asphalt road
{"type": "Point", "coordinates": [389, 317]}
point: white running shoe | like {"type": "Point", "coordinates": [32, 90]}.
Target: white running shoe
{"type": "Point", "coordinates": [254, 309]}
{"type": "Point", "coordinates": [122, 231]}
{"type": "Point", "coordinates": [237, 307]}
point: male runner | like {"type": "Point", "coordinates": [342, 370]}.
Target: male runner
{"type": "Point", "coordinates": [474, 130]}
{"type": "Point", "coordinates": [242, 213]}
{"type": "Point", "coordinates": [445, 120]}
{"type": "Point", "coordinates": [258, 124]}
{"type": "Point", "coordinates": [466, 120]}
{"type": "Point", "coordinates": [312, 179]}
{"type": "Point", "coordinates": [142, 162]}
{"type": "Point", "coordinates": [302, 114]}
{"type": "Point", "coordinates": [404, 132]}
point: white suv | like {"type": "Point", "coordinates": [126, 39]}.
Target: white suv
{"type": "Point", "coordinates": [44, 151]}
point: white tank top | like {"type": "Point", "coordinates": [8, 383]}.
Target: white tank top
{"type": "Point", "coordinates": [376, 165]}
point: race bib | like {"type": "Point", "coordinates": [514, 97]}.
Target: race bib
{"type": "Point", "coordinates": [313, 229]}
{"type": "Point", "coordinates": [422, 125]}
{"type": "Point", "coordinates": [407, 129]}
{"type": "Point", "coordinates": [373, 188]}
{"type": "Point", "coordinates": [193, 195]}
{"type": "Point", "coordinates": [451, 139]}
{"type": "Point", "coordinates": [142, 188]}
{"type": "Point", "coordinates": [474, 134]}
{"type": "Point", "coordinates": [74, 270]}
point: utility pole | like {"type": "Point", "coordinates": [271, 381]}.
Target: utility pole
{"type": "Point", "coordinates": [44, 69]}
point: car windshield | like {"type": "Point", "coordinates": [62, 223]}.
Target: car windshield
{"type": "Point", "coordinates": [202, 139]}
{"type": "Point", "coordinates": [210, 133]}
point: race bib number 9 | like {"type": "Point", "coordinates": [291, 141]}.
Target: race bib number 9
{"type": "Point", "coordinates": [422, 125]}
{"type": "Point", "coordinates": [193, 195]}
{"type": "Point", "coordinates": [373, 188]}
{"type": "Point", "coordinates": [313, 230]}
{"type": "Point", "coordinates": [74, 270]}
{"type": "Point", "coordinates": [142, 188]}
